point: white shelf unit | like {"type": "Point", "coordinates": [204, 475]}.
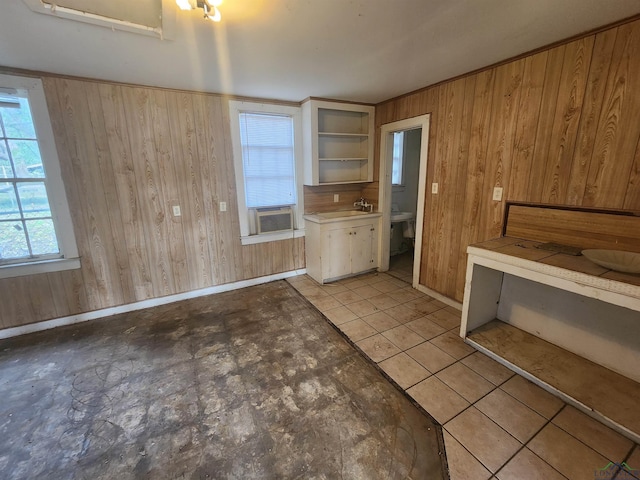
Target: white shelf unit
{"type": "Point", "coordinates": [548, 323]}
{"type": "Point", "coordinates": [338, 142]}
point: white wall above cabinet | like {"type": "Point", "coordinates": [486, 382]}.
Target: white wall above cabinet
{"type": "Point", "coordinates": [338, 142]}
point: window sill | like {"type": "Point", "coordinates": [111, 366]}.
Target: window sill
{"type": "Point", "coordinates": [33, 268]}
{"type": "Point", "coordinates": [271, 237]}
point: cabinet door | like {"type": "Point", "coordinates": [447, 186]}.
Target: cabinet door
{"type": "Point", "coordinates": [363, 248]}
{"type": "Point", "coordinates": [335, 253]}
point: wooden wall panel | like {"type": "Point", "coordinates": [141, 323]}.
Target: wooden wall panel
{"type": "Point", "coordinates": [128, 154]}
{"type": "Point", "coordinates": [561, 126]}
{"type": "Point", "coordinates": [481, 102]}
{"type": "Point", "coordinates": [619, 125]}
{"type": "Point", "coordinates": [320, 198]}
{"type": "Point", "coordinates": [590, 115]}
{"type": "Point", "coordinates": [564, 129]}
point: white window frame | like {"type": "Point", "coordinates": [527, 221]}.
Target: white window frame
{"type": "Point", "coordinates": [236, 107]}
{"type": "Point", "coordinates": [69, 258]}
{"type": "Point", "coordinates": [165, 32]}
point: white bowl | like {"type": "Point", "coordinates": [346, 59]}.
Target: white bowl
{"type": "Point", "coordinates": [618, 260]}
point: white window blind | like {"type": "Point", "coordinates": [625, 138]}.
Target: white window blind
{"type": "Point", "coordinates": [268, 159]}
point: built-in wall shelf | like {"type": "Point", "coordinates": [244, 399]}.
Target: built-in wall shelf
{"type": "Point", "coordinates": [338, 142]}
{"type": "Point", "coordinates": [561, 321]}
{"type": "Point", "coordinates": [608, 396]}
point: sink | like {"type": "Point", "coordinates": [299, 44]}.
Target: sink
{"type": "Point", "coordinates": [346, 213]}
{"type": "Point", "coordinates": [618, 260]}
{"type": "Point", "coordinates": [402, 216]}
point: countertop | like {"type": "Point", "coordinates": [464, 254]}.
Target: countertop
{"type": "Point", "coordinates": [340, 216]}
{"type": "Point", "coordinates": [527, 250]}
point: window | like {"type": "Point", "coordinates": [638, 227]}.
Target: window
{"type": "Point", "coordinates": [268, 159]}
{"type": "Point", "coordinates": [267, 155]}
{"type": "Point", "coordinates": [35, 225]}
{"type": "Point", "coordinates": [398, 159]}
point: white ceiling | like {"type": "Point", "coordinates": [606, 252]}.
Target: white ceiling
{"type": "Point", "coordinates": [360, 50]}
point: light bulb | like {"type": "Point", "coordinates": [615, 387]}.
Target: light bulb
{"type": "Point", "coordinates": [216, 17]}
{"type": "Point", "coordinates": [184, 4]}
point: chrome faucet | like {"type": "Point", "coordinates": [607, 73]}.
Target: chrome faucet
{"type": "Point", "coordinates": [362, 203]}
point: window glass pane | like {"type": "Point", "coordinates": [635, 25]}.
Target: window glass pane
{"type": "Point", "coordinates": [26, 158]}
{"type": "Point", "coordinates": [8, 202]}
{"type": "Point", "coordinates": [17, 121]}
{"type": "Point", "coordinates": [398, 154]}
{"type": "Point", "coordinates": [42, 236]}
{"type": "Point", "coordinates": [34, 200]}
{"type": "Point", "coordinates": [268, 159]}
{"type": "Point", "coordinates": [6, 170]}
{"type": "Point", "coordinates": [13, 242]}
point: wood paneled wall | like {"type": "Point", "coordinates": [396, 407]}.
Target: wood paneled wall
{"type": "Point", "coordinates": [561, 127]}
{"type": "Point", "coordinates": [127, 155]}
{"type": "Point", "coordinates": [321, 198]}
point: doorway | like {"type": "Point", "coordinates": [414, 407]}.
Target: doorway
{"type": "Point", "coordinates": [403, 170]}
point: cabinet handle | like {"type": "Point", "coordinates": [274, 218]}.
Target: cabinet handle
{"type": "Point", "coordinates": [373, 229]}
{"type": "Point", "coordinates": [355, 233]}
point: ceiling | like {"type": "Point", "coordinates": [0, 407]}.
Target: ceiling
{"type": "Point", "coordinates": [359, 50]}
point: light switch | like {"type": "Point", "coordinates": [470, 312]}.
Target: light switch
{"type": "Point", "coordinates": [176, 211]}
{"type": "Point", "coordinates": [434, 188]}
{"type": "Point", "coordinates": [497, 193]}
{"type": "Point", "coordinates": [223, 206]}
{"type": "Point", "coordinates": [336, 197]}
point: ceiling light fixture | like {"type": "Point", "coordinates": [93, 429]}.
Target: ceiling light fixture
{"type": "Point", "coordinates": [210, 7]}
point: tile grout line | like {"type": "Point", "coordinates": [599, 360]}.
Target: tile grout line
{"type": "Point", "coordinates": [523, 445]}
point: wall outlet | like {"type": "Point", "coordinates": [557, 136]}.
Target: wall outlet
{"type": "Point", "coordinates": [223, 206]}
{"type": "Point", "coordinates": [434, 188]}
{"type": "Point", "coordinates": [176, 210]}
{"type": "Point", "coordinates": [497, 193]}
{"type": "Point", "coordinates": [336, 197]}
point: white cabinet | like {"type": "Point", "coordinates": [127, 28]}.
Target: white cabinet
{"type": "Point", "coordinates": [341, 247]}
{"type": "Point", "coordinates": [337, 142]}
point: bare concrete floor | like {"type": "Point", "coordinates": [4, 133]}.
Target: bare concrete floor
{"type": "Point", "coordinates": [247, 384]}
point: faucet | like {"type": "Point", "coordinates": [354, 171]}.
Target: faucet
{"type": "Point", "coordinates": [362, 203]}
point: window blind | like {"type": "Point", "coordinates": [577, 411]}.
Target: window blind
{"type": "Point", "coordinates": [268, 159]}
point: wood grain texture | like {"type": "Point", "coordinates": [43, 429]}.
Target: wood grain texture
{"type": "Point", "coordinates": [583, 229]}
{"type": "Point", "coordinates": [564, 129]}
{"type": "Point", "coordinates": [619, 125]}
{"type": "Point", "coordinates": [320, 198]}
{"type": "Point", "coordinates": [128, 154]}
{"type": "Point", "coordinates": [560, 126]}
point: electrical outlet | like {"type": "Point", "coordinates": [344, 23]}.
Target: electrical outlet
{"type": "Point", "coordinates": [176, 211]}
{"type": "Point", "coordinates": [223, 206]}
{"type": "Point", "coordinates": [336, 197]}
{"type": "Point", "coordinates": [434, 188]}
{"type": "Point", "coordinates": [497, 193]}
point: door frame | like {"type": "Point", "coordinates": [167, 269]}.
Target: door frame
{"type": "Point", "coordinates": [384, 190]}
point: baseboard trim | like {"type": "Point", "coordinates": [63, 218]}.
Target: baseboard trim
{"type": "Point", "coordinates": [439, 296]}
{"type": "Point", "coordinates": [152, 302]}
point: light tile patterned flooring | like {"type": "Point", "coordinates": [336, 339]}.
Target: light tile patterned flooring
{"type": "Point", "coordinates": [496, 424]}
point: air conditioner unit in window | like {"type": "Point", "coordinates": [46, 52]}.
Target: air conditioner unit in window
{"type": "Point", "coordinates": [276, 219]}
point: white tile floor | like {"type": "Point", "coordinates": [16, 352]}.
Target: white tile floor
{"type": "Point", "coordinates": [496, 424]}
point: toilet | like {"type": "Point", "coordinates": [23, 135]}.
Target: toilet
{"type": "Point", "coordinates": [403, 230]}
